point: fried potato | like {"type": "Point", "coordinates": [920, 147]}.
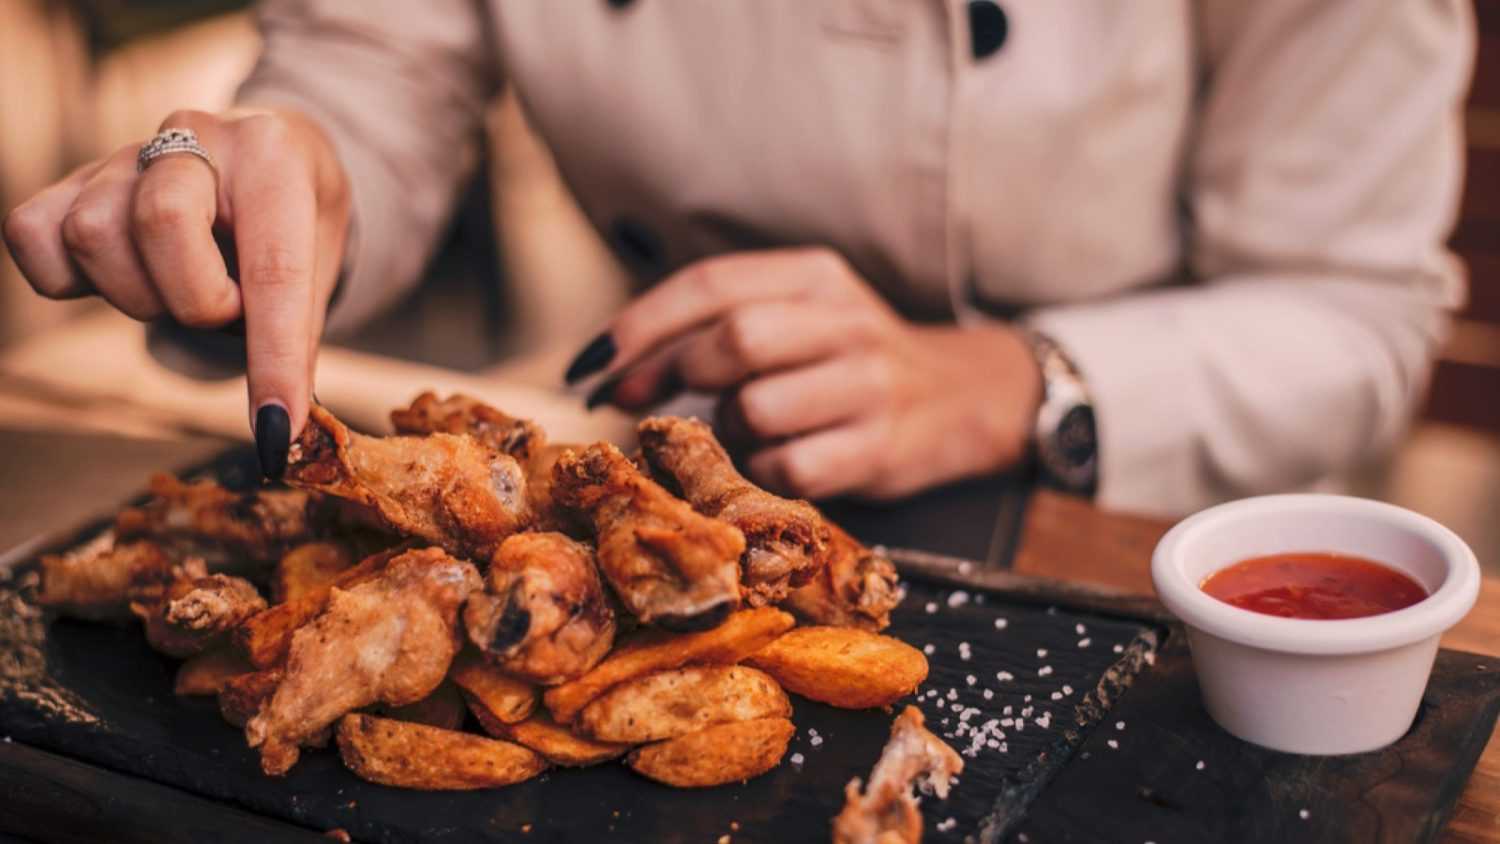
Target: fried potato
{"type": "Point", "coordinates": [243, 696]}
{"type": "Point", "coordinates": [207, 672]}
{"type": "Point", "coordinates": [741, 634]}
{"type": "Point", "coordinates": [721, 754]}
{"type": "Point", "coordinates": [443, 708]}
{"type": "Point", "coordinates": [409, 755]}
{"type": "Point", "coordinates": [668, 704]}
{"type": "Point", "coordinates": [843, 666]}
{"type": "Point", "coordinates": [501, 696]}
{"type": "Point", "coordinates": [560, 745]}
{"type": "Point", "coordinates": [309, 569]}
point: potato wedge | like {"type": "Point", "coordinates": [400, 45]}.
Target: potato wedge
{"type": "Point", "coordinates": [843, 666]}
{"type": "Point", "coordinates": [309, 569]}
{"type": "Point", "coordinates": [443, 708]}
{"type": "Point", "coordinates": [557, 743]}
{"type": "Point", "coordinates": [409, 755]}
{"type": "Point", "coordinates": [741, 634]}
{"type": "Point", "coordinates": [503, 697]}
{"type": "Point", "coordinates": [207, 672]}
{"type": "Point", "coordinates": [672, 703]}
{"type": "Point", "coordinates": [721, 754]}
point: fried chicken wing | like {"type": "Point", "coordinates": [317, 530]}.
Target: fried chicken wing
{"type": "Point", "coordinates": [389, 640]}
{"type": "Point", "coordinates": [94, 581]}
{"type": "Point", "coordinates": [194, 611]}
{"type": "Point", "coordinates": [856, 588]}
{"type": "Point", "coordinates": [543, 614]}
{"type": "Point", "coordinates": [447, 489]}
{"type": "Point", "coordinates": [885, 812]}
{"type": "Point", "coordinates": [461, 414]}
{"type": "Point", "coordinates": [668, 564]}
{"type": "Point", "coordinates": [232, 531]}
{"type": "Point", "coordinates": [786, 542]}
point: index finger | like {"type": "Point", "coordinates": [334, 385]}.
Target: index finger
{"type": "Point", "coordinates": [708, 289]}
{"type": "Point", "coordinates": [275, 229]}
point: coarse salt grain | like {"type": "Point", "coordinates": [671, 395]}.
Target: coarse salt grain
{"type": "Point", "coordinates": [958, 599]}
{"type": "Point", "coordinates": [1044, 671]}
{"type": "Point", "coordinates": [944, 826]}
{"type": "Point", "coordinates": [1079, 629]}
{"type": "Point", "coordinates": [1007, 722]}
{"type": "Point", "coordinates": [1000, 623]}
{"type": "Point", "coordinates": [988, 694]}
{"type": "Point", "coordinates": [1200, 766]}
{"type": "Point", "coordinates": [953, 694]}
{"type": "Point", "coordinates": [1002, 676]}
{"type": "Point", "coordinates": [1303, 814]}
{"type": "Point", "coordinates": [971, 680]}
{"type": "Point", "coordinates": [815, 741]}
{"type": "Point", "coordinates": [931, 607]}
{"type": "Point", "coordinates": [1119, 649]}
{"type": "Point", "coordinates": [1006, 710]}
{"type": "Point", "coordinates": [1113, 745]}
{"type": "Point", "coordinates": [1067, 689]}
{"type": "Point", "coordinates": [1057, 695]}
{"type": "Point", "coordinates": [1041, 653]}
{"type": "Point", "coordinates": [1119, 725]}
{"type": "Point", "coordinates": [1085, 642]}
{"type": "Point", "coordinates": [929, 649]}
{"type": "Point", "coordinates": [798, 759]}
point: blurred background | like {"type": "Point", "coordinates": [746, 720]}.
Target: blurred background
{"type": "Point", "coordinates": [81, 79]}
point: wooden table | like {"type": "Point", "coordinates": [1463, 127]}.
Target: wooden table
{"type": "Point", "coordinates": [1069, 539]}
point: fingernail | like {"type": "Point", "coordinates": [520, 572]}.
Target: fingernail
{"type": "Point", "coordinates": [594, 357]}
{"type": "Point", "coordinates": [273, 436]}
{"type": "Point", "coordinates": [602, 394]}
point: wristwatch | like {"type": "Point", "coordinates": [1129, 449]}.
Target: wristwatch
{"type": "Point", "coordinates": [1065, 439]}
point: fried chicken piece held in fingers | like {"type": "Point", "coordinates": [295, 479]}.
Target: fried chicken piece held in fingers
{"type": "Point", "coordinates": [786, 541]}
{"type": "Point", "coordinates": [543, 614]}
{"type": "Point", "coordinates": [668, 564]}
{"type": "Point", "coordinates": [856, 588]}
{"type": "Point", "coordinates": [194, 611]}
{"type": "Point", "coordinates": [461, 414]}
{"type": "Point", "coordinates": [885, 811]}
{"type": "Point", "coordinates": [387, 640]}
{"type": "Point", "coordinates": [447, 489]}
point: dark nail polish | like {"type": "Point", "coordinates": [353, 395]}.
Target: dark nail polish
{"type": "Point", "coordinates": [602, 394]}
{"type": "Point", "coordinates": [594, 357]}
{"type": "Point", "coordinates": [273, 437]}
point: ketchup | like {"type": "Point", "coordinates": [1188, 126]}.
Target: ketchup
{"type": "Point", "coordinates": [1314, 585]}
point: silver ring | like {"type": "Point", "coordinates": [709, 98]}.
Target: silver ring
{"type": "Point", "coordinates": [170, 142]}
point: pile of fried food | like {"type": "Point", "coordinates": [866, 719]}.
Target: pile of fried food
{"type": "Point", "coordinates": [581, 604]}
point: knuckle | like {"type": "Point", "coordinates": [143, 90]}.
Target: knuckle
{"type": "Point", "coordinates": [798, 471]}
{"type": "Point", "coordinates": [738, 340]}
{"type": "Point", "coordinates": [757, 410]}
{"type": "Point", "coordinates": [275, 268]}
{"type": "Point", "coordinates": [200, 308]}
{"type": "Point", "coordinates": [163, 210]}
{"type": "Point", "coordinates": [23, 227]}
{"type": "Point", "coordinates": [86, 228]}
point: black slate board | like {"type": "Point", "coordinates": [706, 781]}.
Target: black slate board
{"type": "Point", "coordinates": [98, 694]}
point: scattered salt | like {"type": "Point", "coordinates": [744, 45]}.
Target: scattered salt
{"type": "Point", "coordinates": [953, 694]}
{"type": "Point", "coordinates": [1085, 642]}
{"type": "Point", "coordinates": [958, 599]}
{"type": "Point", "coordinates": [1041, 653]}
{"type": "Point", "coordinates": [1067, 689]}
{"type": "Point", "coordinates": [1079, 629]}
{"type": "Point", "coordinates": [798, 759]}
{"type": "Point", "coordinates": [1119, 725]}
{"type": "Point", "coordinates": [1303, 814]}
{"type": "Point", "coordinates": [1119, 649]}
{"type": "Point", "coordinates": [1006, 710]}
{"type": "Point", "coordinates": [1044, 671]}
{"type": "Point", "coordinates": [988, 694]}
{"type": "Point", "coordinates": [971, 680]}
{"type": "Point", "coordinates": [1057, 695]}
{"type": "Point", "coordinates": [929, 649]}
{"type": "Point", "coordinates": [1113, 745]}
{"type": "Point", "coordinates": [944, 826]}
{"type": "Point", "coordinates": [1200, 766]}
{"type": "Point", "coordinates": [815, 741]}
{"type": "Point", "coordinates": [1007, 722]}
{"type": "Point", "coordinates": [931, 607]}
{"type": "Point", "coordinates": [1002, 676]}
{"type": "Point", "coordinates": [1000, 623]}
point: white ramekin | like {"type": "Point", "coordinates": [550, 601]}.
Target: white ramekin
{"type": "Point", "coordinates": [1309, 686]}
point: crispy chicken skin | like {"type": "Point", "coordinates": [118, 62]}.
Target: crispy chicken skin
{"type": "Point", "coordinates": [786, 541]}
{"type": "Point", "coordinates": [668, 564]}
{"type": "Point", "coordinates": [228, 529]}
{"type": "Point", "coordinates": [447, 489]}
{"type": "Point", "coordinates": [886, 812]}
{"type": "Point", "coordinates": [543, 614]}
{"type": "Point", "coordinates": [194, 611]}
{"type": "Point", "coordinates": [387, 640]}
{"type": "Point", "coordinates": [95, 581]}
{"type": "Point", "coordinates": [857, 588]}
{"type": "Point", "coordinates": [461, 414]}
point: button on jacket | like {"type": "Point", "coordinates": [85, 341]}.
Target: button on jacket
{"type": "Point", "coordinates": [1231, 215]}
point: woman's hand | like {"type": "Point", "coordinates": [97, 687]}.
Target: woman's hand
{"type": "Point", "coordinates": [145, 243]}
{"type": "Point", "coordinates": [827, 388]}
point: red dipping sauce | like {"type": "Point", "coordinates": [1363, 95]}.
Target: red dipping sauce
{"type": "Point", "coordinates": [1314, 585]}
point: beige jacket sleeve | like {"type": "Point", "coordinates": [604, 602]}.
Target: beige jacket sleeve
{"type": "Point", "coordinates": [401, 93]}
{"type": "Point", "coordinates": [1321, 187]}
